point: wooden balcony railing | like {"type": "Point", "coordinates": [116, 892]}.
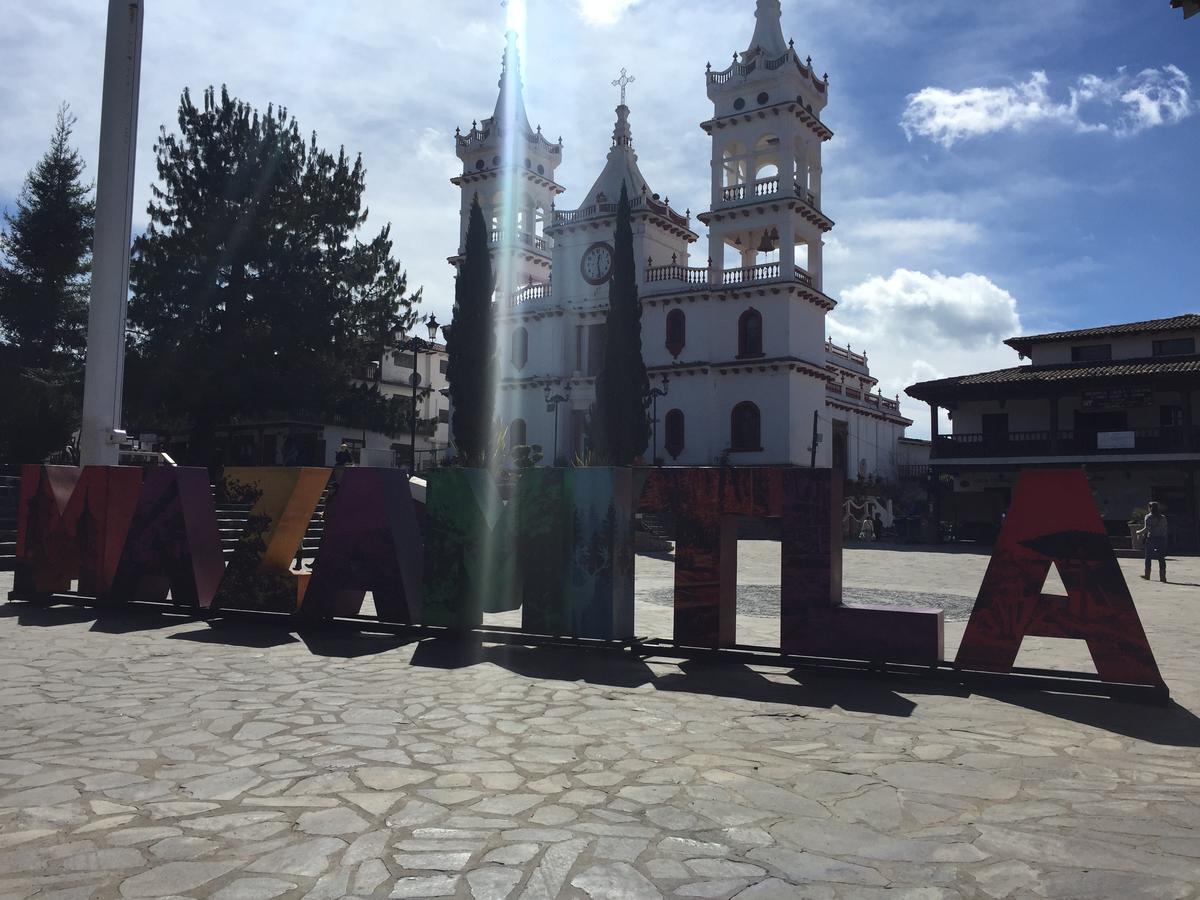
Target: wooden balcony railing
{"type": "Point", "coordinates": [1176, 439]}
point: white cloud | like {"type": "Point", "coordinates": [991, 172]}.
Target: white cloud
{"type": "Point", "coordinates": [603, 12]}
{"type": "Point", "coordinates": [1123, 104]}
{"type": "Point", "coordinates": [917, 326]}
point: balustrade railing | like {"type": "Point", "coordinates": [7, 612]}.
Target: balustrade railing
{"type": "Point", "coordinates": [537, 242]}
{"type": "Point", "coordinates": [867, 399]}
{"type": "Point", "coordinates": [739, 70]}
{"type": "Point", "coordinates": [644, 202]}
{"type": "Point", "coordinates": [531, 293]}
{"type": "Point", "coordinates": [765, 187]}
{"type": "Point", "coordinates": [806, 195]}
{"type": "Point", "coordinates": [686, 274]}
{"type": "Point", "coordinates": [693, 275]}
{"type": "Point", "coordinates": [747, 274]}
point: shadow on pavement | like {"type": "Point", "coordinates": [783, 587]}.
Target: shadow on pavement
{"type": "Point", "coordinates": [1169, 725]}
{"type": "Point", "coordinates": [731, 676]}
{"type": "Point", "coordinates": [237, 634]}
{"type": "Point", "coordinates": [600, 666]}
{"type": "Point", "coordinates": [350, 644]}
{"type": "Point", "coordinates": [113, 620]}
{"type": "Point", "coordinates": [740, 682]}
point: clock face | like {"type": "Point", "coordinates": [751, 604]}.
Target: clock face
{"type": "Point", "coordinates": [597, 263]}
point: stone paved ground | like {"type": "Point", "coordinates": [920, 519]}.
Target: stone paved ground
{"type": "Point", "coordinates": [152, 756]}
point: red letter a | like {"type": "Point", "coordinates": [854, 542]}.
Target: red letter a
{"type": "Point", "coordinates": [1053, 520]}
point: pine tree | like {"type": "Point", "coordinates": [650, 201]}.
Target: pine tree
{"type": "Point", "coordinates": [253, 295]}
{"type": "Point", "coordinates": [471, 345]}
{"type": "Point", "coordinates": [45, 259]}
{"type": "Point", "coordinates": [620, 425]}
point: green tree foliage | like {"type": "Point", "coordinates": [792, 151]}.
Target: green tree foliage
{"type": "Point", "coordinates": [45, 262]}
{"type": "Point", "coordinates": [620, 426]}
{"type": "Point", "coordinates": [253, 295]}
{"type": "Point", "coordinates": [471, 344]}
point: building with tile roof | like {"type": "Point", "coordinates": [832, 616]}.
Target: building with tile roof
{"type": "Point", "coordinates": [1118, 400]}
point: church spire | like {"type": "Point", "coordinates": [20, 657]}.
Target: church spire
{"type": "Point", "coordinates": [622, 133]}
{"type": "Point", "coordinates": [768, 31]}
{"type": "Point", "coordinates": [511, 89]}
{"type": "Point", "coordinates": [621, 166]}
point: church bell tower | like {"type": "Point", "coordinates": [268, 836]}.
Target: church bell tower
{"type": "Point", "coordinates": [510, 166]}
{"type": "Point", "coordinates": [767, 135]}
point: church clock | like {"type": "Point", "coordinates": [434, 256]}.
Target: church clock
{"type": "Point", "coordinates": [597, 263]}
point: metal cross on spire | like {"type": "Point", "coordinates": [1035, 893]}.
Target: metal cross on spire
{"type": "Point", "coordinates": [623, 82]}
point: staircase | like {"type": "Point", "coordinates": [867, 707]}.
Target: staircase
{"type": "Point", "coordinates": [231, 523]}
{"type": "Point", "coordinates": [10, 488]}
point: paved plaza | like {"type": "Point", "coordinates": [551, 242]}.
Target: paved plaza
{"type": "Point", "coordinates": [146, 755]}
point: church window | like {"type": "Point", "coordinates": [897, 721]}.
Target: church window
{"type": "Point", "coordinates": [495, 160]}
{"type": "Point", "coordinates": [676, 331]}
{"type": "Point", "coordinates": [750, 330]}
{"type": "Point", "coordinates": [745, 427]}
{"type": "Point", "coordinates": [674, 428]}
{"type": "Point", "coordinates": [739, 103]}
{"type": "Point", "coordinates": [763, 98]}
{"type": "Point", "coordinates": [520, 348]}
{"type": "Point", "coordinates": [479, 164]}
{"type": "Point", "coordinates": [541, 169]}
{"type": "Point", "coordinates": [517, 434]}
{"type": "Point", "coordinates": [528, 163]}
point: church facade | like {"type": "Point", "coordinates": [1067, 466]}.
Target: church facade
{"type": "Point", "coordinates": [733, 324]}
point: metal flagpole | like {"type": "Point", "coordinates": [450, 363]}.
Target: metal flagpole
{"type": "Point", "coordinates": [101, 435]}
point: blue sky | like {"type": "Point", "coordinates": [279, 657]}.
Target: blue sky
{"type": "Point", "coordinates": [1001, 167]}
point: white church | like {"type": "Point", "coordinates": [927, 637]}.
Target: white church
{"type": "Point", "coordinates": [734, 331]}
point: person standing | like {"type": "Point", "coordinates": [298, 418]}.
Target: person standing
{"type": "Point", "coordinates": [1154, 532]}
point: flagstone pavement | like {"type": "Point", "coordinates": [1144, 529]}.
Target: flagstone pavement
{"type": "Point", "coordinates": [152, 756]}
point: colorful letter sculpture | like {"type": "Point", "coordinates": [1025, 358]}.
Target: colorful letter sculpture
{"type": "Point", "coordinates": [813, 620]}
{"type": "Point", "coordinates": [372, 543]}
{"type": "Point", "coordinates": [469, 554]}
{"type": "Point", "coordinates": [71, 524]}
{"type": "Point", "coordinates": [706, 503]}
{"type": "Point", "coordinates": [172, 543]}
{"type": "Point", "coordinates": [575, 551]}
{"type": "Point", "coordinates": [1053, 520]}
{"type": "Point", "coordinates": [283, 501]}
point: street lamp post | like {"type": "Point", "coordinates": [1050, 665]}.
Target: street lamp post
{"type": "Point", "coordinates": [552, 402]}
{"type": "Point", "coordinates": [655, 393]}
{"type": "Point", "coordinates": [417, 346]}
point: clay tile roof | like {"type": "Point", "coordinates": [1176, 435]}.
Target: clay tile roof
{"type": "Point", "coordinates": [1176, 323]}
{"type": "Point", "coordinates": [1036, 376]}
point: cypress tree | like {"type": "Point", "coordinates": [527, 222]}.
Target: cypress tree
{"type": "Point", "coordinates": [471, 345]}
{"type": "Point", "coordinates": [620, 425]}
